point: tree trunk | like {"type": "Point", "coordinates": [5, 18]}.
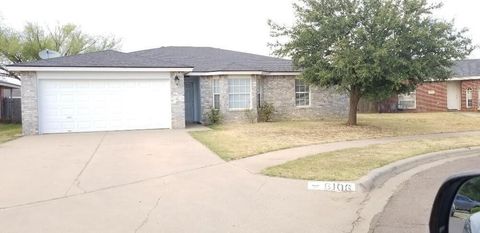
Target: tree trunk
{"type": "Point", "coordinates": [354, 99]}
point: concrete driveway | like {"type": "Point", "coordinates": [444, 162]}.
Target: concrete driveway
{"type": "Point", "coordinates": [151, 181]}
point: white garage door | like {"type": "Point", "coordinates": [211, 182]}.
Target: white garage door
{"type": "Point", "coordinates": [103, 105]}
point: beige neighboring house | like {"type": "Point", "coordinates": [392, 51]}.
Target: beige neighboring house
{"type": "Point", "coordinates": [167, 87]}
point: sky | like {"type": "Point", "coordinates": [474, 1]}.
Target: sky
{"type": "Point", "coordinates": [229, 24]}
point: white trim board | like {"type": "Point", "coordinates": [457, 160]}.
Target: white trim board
{"type": "Point", "coordinates": [102, 75]}
{"type": "Point", "coordinates": [97, 69]}
{"type": "Point", "coordinates": [216, 73]}
{"type": "Point", "coordinates": [464, 78]}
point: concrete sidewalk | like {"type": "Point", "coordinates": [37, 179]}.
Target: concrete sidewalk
{"type": "Point", "coordinates": [255, 164]}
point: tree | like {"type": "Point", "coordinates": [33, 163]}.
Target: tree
{"type": "Point", "coordinates": [370, 48]}
{"type": "Point", "coordinates": [67, 39]}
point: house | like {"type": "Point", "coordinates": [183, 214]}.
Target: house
{"type": "Point", "coordinates": [167, 87]}
{"type": "Point", "coordinates": [459, 93]}
{"type": "Point", "coordinates": [9, 99]}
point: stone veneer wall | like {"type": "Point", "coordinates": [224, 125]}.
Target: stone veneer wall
{"type": "Point", "coordinates": [280, 91]}
{"type": "Point", "coordinates": [29, 103]}
{"type": "Point", "coordinates": [206, 95]}
{"type": "Point", "coordinates": [178, 101]}
{"type": "Point", "coordinates": [324, 103]}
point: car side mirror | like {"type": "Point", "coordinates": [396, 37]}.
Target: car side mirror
{"type": "Point", "coordinates": [457, 205]}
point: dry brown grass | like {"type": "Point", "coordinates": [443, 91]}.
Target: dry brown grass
{"type": "Point", "coordinates": [234, 141]}
{"type": "Point", "coordinates": [353, 163]}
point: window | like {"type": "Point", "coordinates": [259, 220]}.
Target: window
{"type": "Point", "coordinates": [407, 101]}
{"type": "Point", "coordinates": [469, 98]}
{"type": "Point", "coordinates": [216, 94]}
{"type": "Point", "coordinates": [239, 93]}
{"type": "Point", "coordinates": [302, 93]}
{"type": "Point", "coordinates": [478, 101]}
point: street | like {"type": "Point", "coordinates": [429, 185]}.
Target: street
{"type": "Point", "coordinates": [408, 210]}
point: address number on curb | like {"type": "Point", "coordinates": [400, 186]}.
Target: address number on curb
{"type": "Point", "coordinates": [331, 186]}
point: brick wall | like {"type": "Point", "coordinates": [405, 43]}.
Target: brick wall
{"type": "Point", "coordinates": [324, 103]}
{"type": "Point", "coordinates": [177, 99]}
{"type": "Point", "coordinates": [432, 97]}
{"type": "Point", "coordinates": [29, 103]}
{"type": "Point", "coordinates": [279, 91]}
{"type": "Point", "coordinates": [475, 86]}
{"type": "Point", "coordinates": [206, 99]}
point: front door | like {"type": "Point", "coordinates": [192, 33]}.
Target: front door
{"type": "Point", "coordinates": [453, 95]}
{"type": "Point", "coordinates": [189, 102]}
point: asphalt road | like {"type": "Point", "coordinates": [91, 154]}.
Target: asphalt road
{"type": "Point", "coordinates": [408, 210]}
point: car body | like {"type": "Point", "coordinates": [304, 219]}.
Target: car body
{"type": "Point", "coordinates": [465, 203]}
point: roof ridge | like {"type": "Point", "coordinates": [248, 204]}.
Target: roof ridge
{"type": "Point", "coordinates": [215, 48]}
{"type": "Point", "coordinates": [158, 59]}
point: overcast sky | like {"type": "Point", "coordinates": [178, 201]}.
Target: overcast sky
{"type": "Point", "coordinates": [231, 24]}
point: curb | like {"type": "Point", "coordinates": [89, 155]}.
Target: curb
{"type": "Point", "coordinates": [377, 177]}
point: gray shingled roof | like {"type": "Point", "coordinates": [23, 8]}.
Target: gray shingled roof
{"type": "Point", "coordinates": [207, 59]}
{"type": "Point", "coordinates": [202, 59]}
{"type": "Point", "coordinates": [466, 68]}
{"type": "Point", "coordinates": [107, 58]}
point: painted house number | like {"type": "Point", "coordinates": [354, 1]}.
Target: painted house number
{"type": "Point", "coordinates": [331, 186]}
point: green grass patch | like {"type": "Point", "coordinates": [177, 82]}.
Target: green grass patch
{"type": "Point", "coordinates": [9, 131]}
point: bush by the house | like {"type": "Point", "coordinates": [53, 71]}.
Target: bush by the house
{"type": "Point", "coordinates": [265, 112]}
{"type": "Point", "coordinates": [251, 116]}
{"type": "Point", "coordinates": [475, 210]}
{"type": "Point", "coordinates": [214, 116]}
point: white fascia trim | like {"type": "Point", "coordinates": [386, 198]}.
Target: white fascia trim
{"type": "Point", "coordinates": [216, 73]}
{"type": "Point", "coordinates": [284, 73]}
{"type": "Point", "coordinates": [464, 78]}
{"type": "Point", "coordinates": [98, 69]}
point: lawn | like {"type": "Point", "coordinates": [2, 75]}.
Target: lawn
{"type": "Point", "coordinates": [351, 164]}
{"type": "Point", "coordinates": [9, 131]}
{"type": "Point", "coordinates": [235, 141]}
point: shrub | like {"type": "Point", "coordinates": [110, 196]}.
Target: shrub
{"type": "Point", "coordinates": [251, 116]}
{"type": "Point", "coordinates": [265, 112]}
{"type": "Point", "coordinates": [475, 210]}
{"type": "Point", "coordinates": [214, 116]}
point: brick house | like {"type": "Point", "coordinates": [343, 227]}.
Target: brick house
{"type": "Point", "coordinates": [460, 93]}
{"type": "Point", "coordinates": [167, 87]}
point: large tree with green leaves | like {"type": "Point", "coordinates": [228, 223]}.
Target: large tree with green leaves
{"type": "Point", "coordinates": [370, 48]}
{"type": "Point", "coordinates": [67, 39]}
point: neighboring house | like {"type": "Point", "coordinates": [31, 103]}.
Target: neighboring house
{"type": "Point", "coordinates": [9, 99]}
{"type": "Point", "coordinates": [459, 93]}
{"type": "Point", "coordinates": [166, 87]}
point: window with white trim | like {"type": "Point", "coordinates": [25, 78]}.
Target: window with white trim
{"type": "Point", "coordinates": [216, 93]}
{"type": "Point", "coordinates": [302, 93]}
{"type": "Point", "coordinates": [469, 98]}
{"type": "Point", "coordinates": [239, 93]}
{"type": "Point", "coordinates": [407, 101]}
{"type": "Point", "coordinates": [478, 100]}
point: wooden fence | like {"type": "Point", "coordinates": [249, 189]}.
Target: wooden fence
{"type": "Point", "coordinates": [386, 106]}
{"type": "Point", "coordinates": [11, 110]}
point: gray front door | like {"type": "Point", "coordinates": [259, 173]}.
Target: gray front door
{"type": "Point", "coordinates": [189, 102]}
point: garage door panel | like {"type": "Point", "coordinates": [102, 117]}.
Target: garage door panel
{"type": "Point", "coordinates": [101, 105]}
